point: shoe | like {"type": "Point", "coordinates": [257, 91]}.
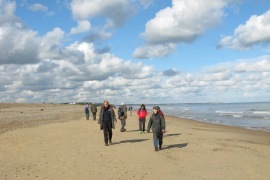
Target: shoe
{"type": "Point", "coordinates": [110, 142]}
{"type": "Point", "coordinates": [106, 144]}
{"type": "Point", "coordinates": [156, 149]}
{"type": "Point", "coordinates": [160, 147]}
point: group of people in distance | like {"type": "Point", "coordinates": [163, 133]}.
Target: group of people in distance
{"type": "Point", "coordinates": [107, 119]}
{"type": "Point", "coordinates": [92, 108]}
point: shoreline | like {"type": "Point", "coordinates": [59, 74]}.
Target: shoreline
{"type": "Point", "coordinates": [74, 112]}
{"type": "Point", "coordinates": [14, 124]}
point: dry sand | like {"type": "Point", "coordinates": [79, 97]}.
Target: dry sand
{"type": "Point", "coordinates": [34, 147]}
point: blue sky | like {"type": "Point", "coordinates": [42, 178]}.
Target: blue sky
{"type": "Point", "coordinates": [136, 51]}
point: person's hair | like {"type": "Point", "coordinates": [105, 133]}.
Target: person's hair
{"type": "Point", "coordinates": [143, 106]}
{"type": "Point", "coordinates": [106, 102]}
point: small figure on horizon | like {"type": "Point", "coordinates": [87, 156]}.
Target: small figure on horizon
{"type": "Point", "coordinates": [86, 110]}
{"type": "Point", "coordinates": [142, 113]}
{"type": "Point", "coordinates": [107, 122]}
{"type": "Point", "coordinates": [122, 115]}
{"type": "Point", "coordinates": [130, 110]}
{"type": "Point", "coordinates": [157, 123]}
{"type": "Point", "coordinates": [94, 110]}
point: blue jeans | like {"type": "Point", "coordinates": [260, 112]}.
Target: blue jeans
{"type": "Point", "coordinates": [87, 115]}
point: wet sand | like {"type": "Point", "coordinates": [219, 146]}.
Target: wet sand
{"type": "Point", "coordinates": [58, 143]}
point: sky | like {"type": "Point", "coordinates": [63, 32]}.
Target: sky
{"type": "Point", "coordinates": [135, 51]}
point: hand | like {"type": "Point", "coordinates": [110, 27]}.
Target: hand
{"type": "Point", "coordinates": [163, 131]}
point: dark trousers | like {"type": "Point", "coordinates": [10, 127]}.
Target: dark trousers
{"type": "Point", "coordinates": [142, 124]}
{"type": "Point", "coordinates": [123, 123]}
{"type": "Point", "coordinates": [158, 139]}
{"type": "Point", "coordinates": [107, 130]}
{"type": "Point", "coordinates": [94, 115]}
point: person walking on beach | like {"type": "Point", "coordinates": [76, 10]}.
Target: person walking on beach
{"type": "Point", "coordinates": [122, 115]}
{"type": "Point", "coordinates": [94, 110]}
{"type": "Point", "coordinates": [107, 121]}
{"type": "Point", "coordinates": [130, 110]}
{"type": "Point", "coordinates": [157, 123]}
{"type": "Point", "coordinates": [86, 110]}
{"type": "Point", "coordinates": [142, 113]}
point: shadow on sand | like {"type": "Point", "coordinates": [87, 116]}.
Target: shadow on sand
{"type": "Point", "coordinates": [133, 130]}
{"type": "Point", "coordinates": [175, 134]}
{"type": "Point", "coordinates": [175, 146]}
{"type": "Point", "coordinates": [131, 141]}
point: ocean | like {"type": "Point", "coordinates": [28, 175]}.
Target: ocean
{"type": "Point", "coordinates": [254, 116]}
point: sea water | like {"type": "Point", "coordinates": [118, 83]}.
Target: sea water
{"type": "Point", "coordinates": [254, 116]}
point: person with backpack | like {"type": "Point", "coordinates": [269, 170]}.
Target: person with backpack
{"type": "Point", "coordinates": [107, 122]}
{"type": "Point", "coordinates": [157, 123]}
{"type": "Point", "coordinates": [122, 116]}
{"type": "Point", "coordinates": [94, 110]}
{"type": "Point", "coordinates": [86, 111]}
{"type": "Point", "coordinates": [142, 113]}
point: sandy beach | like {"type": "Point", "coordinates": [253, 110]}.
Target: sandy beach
{"type": "Point", "coordinates": [46, 141]}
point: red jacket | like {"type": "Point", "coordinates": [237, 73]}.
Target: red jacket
{"type": "Point", "coordinates": [142, 113]}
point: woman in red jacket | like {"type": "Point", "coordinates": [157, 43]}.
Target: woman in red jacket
{"type": "Point", "coordinates": [142, 113]}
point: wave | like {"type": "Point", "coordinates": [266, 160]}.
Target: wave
{"type": "Point", "coordinates": [261, 112]}
{"type": "Point", "coordinates": [230, 112]}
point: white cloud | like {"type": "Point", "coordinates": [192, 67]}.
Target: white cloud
{"type": "Point", "coordinates": [83, 26]}
{"type": "Point", "coordinates": [38, 7]}
{"type": "Point", "coordinates": [152, 51]}
{"type": "Point", "coordinates": [42, 69]}
{"type": "Point", "coordinates": [50, 45]}
{"type": "Point", "coordinates": [259, 64]}
{"type": "Point", "coordinates": [182, 23]}
{"type": "Point", "coordinates": [255, 31]}
{"type": "Point", "coordinates": [115, 11]}
{"type": "Point", "coordinates": [7, 8]}
{"type": "Point", "coordinates": [146, 3]}
{"type": "Point", "coordinates": [18, 45]}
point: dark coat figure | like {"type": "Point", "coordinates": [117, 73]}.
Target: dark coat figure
{"type": "Point", "coordinates": [94, 110]}
{"type": "Point", "coordinates": [157, 123]}
{"type": "Point", "coordinates": [106, 120]}
{"type": "Point", "coordinates": [122, 116]}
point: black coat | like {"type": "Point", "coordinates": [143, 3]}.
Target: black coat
{"type": "Point", "coordinates": [113, 117]}
{"type": "Point", "coordinates": [157, 123]}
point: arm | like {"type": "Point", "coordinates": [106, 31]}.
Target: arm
{"type": "Point", "coordinates": [100, 115]}
{"type": "Point", "coordinates": [149, 124]}
{"type": "Point", "coordinates": [125, 111]}
{"type": "Point", "coordinates": [163, 124]}
{"type": "Point", "coordinates": [114, 116]}
{"type": "Point", "coordinates": [138, 112]}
